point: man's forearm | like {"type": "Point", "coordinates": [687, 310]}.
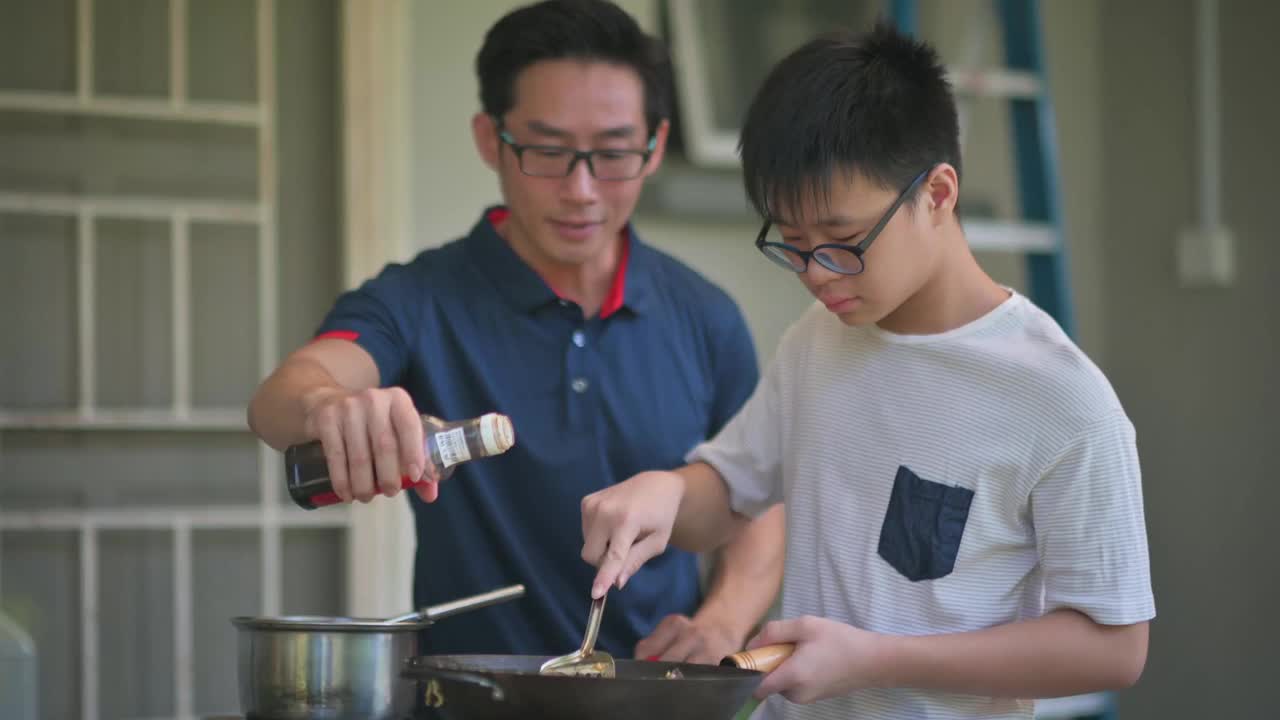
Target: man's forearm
{"type": "Point", "coordinates": [1062, 653]}
{"type": "Point", "coordinates": [748, 574]}
{"type": "Point", "coordinates": [278, 411]}
{"type": "Point", "coordinates": [313, 373]}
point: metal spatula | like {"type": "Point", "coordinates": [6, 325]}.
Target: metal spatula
{"type": "Point", "coordinates": [586, 661]}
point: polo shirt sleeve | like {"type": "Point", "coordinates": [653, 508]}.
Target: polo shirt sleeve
{"type": "Point", "coordinates": [747, 452]}
{"type": "Point", "coordinates": [734, 368]}
{"type": "Point", "coordinates": [1087, 511]}
{"type": "Point", "coordinates": [373, 316]}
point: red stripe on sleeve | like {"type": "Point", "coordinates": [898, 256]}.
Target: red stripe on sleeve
{"type": "Point", "coordinates": [339, 335]}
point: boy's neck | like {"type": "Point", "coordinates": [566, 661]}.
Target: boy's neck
{"type": "Point", "coordinates": [958, 292]}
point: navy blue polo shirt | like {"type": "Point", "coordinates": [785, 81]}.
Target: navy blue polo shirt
{"type": "Point", "coordinates": [469, 328]}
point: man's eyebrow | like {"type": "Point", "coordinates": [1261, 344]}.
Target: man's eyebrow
{"type": "Point", "coordinates": [618, 133]}
{"type": "Point", "coordinates": [540, 128]}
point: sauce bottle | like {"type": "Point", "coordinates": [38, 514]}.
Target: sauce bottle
{"type": "Point", "coordinates": [448, 445]}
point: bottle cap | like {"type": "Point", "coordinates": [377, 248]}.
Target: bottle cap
{"type": "Point", "coordinates": [496, 433]}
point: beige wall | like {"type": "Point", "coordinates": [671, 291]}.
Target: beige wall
{"type": "Point", "coordinates": [1194, 367]}
{"type": "Point", "coordinates": [1075, 78]}
{"type": "Point", "coordinates": [450, 184]}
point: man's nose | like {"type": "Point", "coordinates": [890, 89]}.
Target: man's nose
{"type": "Point", "coordinates": [579, 185]}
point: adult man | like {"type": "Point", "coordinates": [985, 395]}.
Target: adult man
{"type": "Point", "coordinates": [610, 358]}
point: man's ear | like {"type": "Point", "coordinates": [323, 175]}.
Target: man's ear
{"type": "Point", "coordinates": [659, 147]}
{"type": "Point", "coordinates": [484, 130]}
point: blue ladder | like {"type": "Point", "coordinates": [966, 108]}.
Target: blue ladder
{"type": "Point", "coordinates": [1038, 233]}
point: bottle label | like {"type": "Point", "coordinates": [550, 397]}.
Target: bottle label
{"type": "Point", "coordinates": [452, 445]}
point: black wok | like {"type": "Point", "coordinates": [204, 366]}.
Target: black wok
{"type": "Point", "coordinates": [508, 687]}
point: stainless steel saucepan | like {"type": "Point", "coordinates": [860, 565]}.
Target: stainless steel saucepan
{"type": "Point", "coordinates": [334, 668]}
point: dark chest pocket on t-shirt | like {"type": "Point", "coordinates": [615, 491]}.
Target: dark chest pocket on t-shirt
{"type": "Point", "coordinates": [923, 526]}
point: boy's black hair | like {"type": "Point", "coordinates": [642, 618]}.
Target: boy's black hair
{"type": "Point", "coordinates": [877, 104]}
{"type": "Point", "coordinates": [571, 30]}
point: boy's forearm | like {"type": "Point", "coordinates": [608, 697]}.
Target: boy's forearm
{"type": "Point", "coordinates": [1063, 653]}
{"type": "Point", "coordinates": [705, 521]}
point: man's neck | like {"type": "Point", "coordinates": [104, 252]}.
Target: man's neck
{"type": "Point", "coordinates": [586, 284]}
{"type": "Point", "coordinates": [958, 293]}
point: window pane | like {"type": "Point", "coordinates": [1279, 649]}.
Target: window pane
{"type": "Point", "coordinates": [37, 45]}
{"type": "Point", "coordinates": [134, 306]}
{"type": "Point", "coordinates": [131, 47]}
{"type": "Point", "coordinates": [38, 312]}
{"type": "Point", "coordinates": [224, 314]}
{"type": "Point", "coordinates": [135, 646]}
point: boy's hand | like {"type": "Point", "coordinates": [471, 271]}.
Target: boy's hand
{"type": "Point", "coordinates": [625, 525]}
{"type": "Point", "coordinates": [831, 659]}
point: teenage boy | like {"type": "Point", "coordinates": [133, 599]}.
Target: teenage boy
{"type": "Point", "coordinates": [964, 507]}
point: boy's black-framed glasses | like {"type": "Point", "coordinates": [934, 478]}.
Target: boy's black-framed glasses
{"type": "Point", "coordinates": [841, 258]}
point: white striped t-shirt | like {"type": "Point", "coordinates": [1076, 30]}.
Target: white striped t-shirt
{"type": "Point", "coordinates": [1004, 417]}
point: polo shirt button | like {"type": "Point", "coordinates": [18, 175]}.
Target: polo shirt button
{"type": "Point", "coordinates": [579, 338]}
{"type": "Point", "coordinates": [579, 385]}
{"type": "Point", "coordinates": [564, 303]}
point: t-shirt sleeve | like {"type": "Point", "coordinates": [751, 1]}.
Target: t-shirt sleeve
{"type": "Point", "coordinates": [747, 451]}
{"type": "Point", "coordinates": [374, 317]}
{"type": "Point", "coordinates": [1090, 532]}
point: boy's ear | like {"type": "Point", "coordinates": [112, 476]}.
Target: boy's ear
{"type": "Point", "coordinates": [942, 187]}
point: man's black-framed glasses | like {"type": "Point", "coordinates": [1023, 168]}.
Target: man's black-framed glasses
{"type": "Point", "coordinates": [841, 258]}
{"type": "Point", "coordinates": [554, 161]}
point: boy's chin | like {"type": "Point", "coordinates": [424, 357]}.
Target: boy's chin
{"type": "Point", "coordinates": [857, 318]}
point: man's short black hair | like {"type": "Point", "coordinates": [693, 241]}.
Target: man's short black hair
{"type": "Point", "coordinates": [877, 104]}
{"type": "Point", "coordinates": [571, 30]}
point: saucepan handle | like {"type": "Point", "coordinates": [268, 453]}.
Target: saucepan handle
{"type": "Point", "coordinates": [475, 602]}
{"type": "Point", "coordinates": [431, 614]}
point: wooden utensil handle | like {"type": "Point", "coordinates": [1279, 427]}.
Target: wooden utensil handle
{"type": "Point", "coordinates": [764, 659]}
